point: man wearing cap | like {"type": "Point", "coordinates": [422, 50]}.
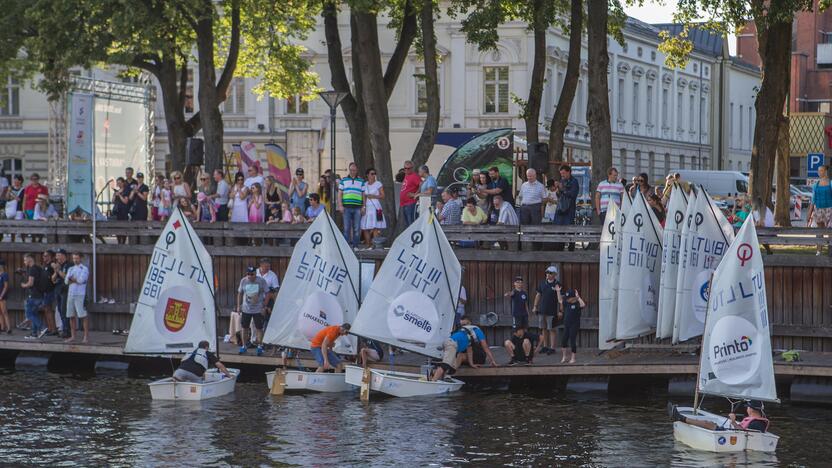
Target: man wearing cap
{"type": "Point", "coordinates": [519, 303]}
{"type": "Point", "coordinates": [270, 277]}
{"type": "Point", "coordinates": [138, 199]}
{"type": "Point", "coordinates": [547, 310]}
{"type": "Point", "coordinates": [251, 296]}
{"type": "Point", "coordinates": [571, 304]}
{"type": "Point", "coordinates": [755, 421]}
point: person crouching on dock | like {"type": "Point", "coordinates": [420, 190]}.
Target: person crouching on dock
{"type": "Point", "coordinates": [322, 345]}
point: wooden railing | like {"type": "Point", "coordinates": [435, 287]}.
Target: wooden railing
{"type": "Point", "coordinates": [236, 234]}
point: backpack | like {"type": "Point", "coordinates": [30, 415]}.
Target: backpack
{"type": "Point", "coordinates": [43, 283]}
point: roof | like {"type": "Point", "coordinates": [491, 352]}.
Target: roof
{"type": "Point", "coordinates": [740, 63]}
{"type": "Point", "coordinates": [704, 41]}
{"type": "Point", "coordinates": [635, 26]}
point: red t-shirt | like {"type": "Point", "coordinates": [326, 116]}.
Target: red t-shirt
{"type": "Point", "coordinates": [31, 193]}
{"type": "Point", "coordinates": [411, 185]}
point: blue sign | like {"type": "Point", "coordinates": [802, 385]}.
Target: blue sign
{"type": "Point", "coordinates": [813, 162]}
{"type": "Point", "coordinates": [79, 188]}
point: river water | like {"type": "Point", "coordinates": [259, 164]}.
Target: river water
{"type": "Point", "coordinates": [49, 419]}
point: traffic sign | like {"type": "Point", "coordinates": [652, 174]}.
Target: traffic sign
{"type": "Point", "coordinates": [813, 162]}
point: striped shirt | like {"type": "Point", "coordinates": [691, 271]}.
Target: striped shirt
{"type": "Point", "coordinates": [532, 193]}
{"type": "Point", "coordinates": [609, 191]}
{"type": "Point", "coordinates": [452, 212]}
{"type": "Point", "coordinates": [352, 191]}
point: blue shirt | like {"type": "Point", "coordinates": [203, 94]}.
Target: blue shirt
{"type": "Point", "coordinates": [519, 303]}
{"type": "Point", "coordinates": [461, 339]}
{"type": "Point", "coordinates": [4, 279]}
{"type": "Point", "coordinates": [312, 213]}
{"type": "Point", "coordinates": [822, 195]}
{"type": "Point", "coordinates": [428, 183]}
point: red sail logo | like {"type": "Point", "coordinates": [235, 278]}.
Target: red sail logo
{"type": "Point", "coordinates": [176, 313]}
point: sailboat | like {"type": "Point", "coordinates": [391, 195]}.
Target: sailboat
{"type": "Point", "coordinates": [671, 246]}
{"type": "Point", "coordinates": [638, 284]}
{"type": "Point", "coordinates": [608, 267]}
{"type": "Point", "coordinates": [176, 310]}
{"type": "Point", "coordinates": [736, 360]}
{"type": "Point", "coordinates": [320, 288]}
{"type": "Point", "coordinates": [411, 306]}
{"type": "Point", "coordinates": [707, 237]}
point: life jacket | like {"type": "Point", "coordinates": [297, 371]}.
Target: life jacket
{"type": "Point", "coordinates": [199, 356]}
{"type": "Point", "coordinates": [474, 343]}
{"type": "Point", "coordinates": [749, 419]}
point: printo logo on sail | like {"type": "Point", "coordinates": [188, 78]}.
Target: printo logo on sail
{"type": "Point", "coordinates": [733, 349]}
{"type": "Point", "coordinates": [726, 350]}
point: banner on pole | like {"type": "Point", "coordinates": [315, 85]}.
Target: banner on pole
{"type": "Point", "coordinates": [79, 155]}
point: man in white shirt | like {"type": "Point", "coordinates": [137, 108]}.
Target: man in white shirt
{"type": "Point", "coordinates": [254, 177]}
{"type": "Point", "coordinates": [531, 196]}
{"type": "Point", "coordinates": [221, 196]}
{"type": "Point", "coordinates": [506, 215]}
{"type": "Point", "coordinates": [76, 278]}
{"type": "Point", "coordinates": [607, 191]}
{"type": "Point", "coordinates": [265, 272]}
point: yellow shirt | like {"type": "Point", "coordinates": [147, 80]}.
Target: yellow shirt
{"type": "Point", "coordinates": [477, 218]}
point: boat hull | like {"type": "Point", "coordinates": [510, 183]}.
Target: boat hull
{"type": "Point", "coordinates": [724, 441]}
{"type": "Point", "coordinates": [215, 385]}
{"type": "Point", "coordinates": [312, 381]}
{"type": "Point", "coordinates": [401, 384]}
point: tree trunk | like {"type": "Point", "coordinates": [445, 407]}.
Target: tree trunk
{"type": "Point", "coordinates": [426, 142]}
{"type": "Point", "coordinates": [209, 99]}
{"type": "Point", "coordinates": [353, 112]}
{"type": "Point", "coordinates": [598, 104]}
{"type": "Point", "coordinates": [532, 111]}
{"type": "Point", "coordinates": [782, 213]}
{"type": "Point", "coordinates": [567, 94]}
{"type": "Point", "coordinates": [167, 74]}
{"type": "Point", "coordinates": [374, 98]}
{"type": "Point", "coordinates": [406, 36]}
{"type": "Point", "coordinates": [775, 55]}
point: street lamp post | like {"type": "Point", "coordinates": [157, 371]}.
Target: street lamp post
{"type": "Point", "coordinates": [332, 98]}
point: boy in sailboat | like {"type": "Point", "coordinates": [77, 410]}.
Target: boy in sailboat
{"type": "Point", "coordinates": [323, 343]}
{"type": "Point", "coordinates": [192, 368]}
{"type": "Point", "coordinates": [754, 421]}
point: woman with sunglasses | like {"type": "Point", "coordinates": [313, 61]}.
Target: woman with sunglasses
{"type": "Point", "coordinates": [273, 194]}
{"type": "Point", "coordinates": [372, 221]}
{"type": "Point", "coordinates": [641, 183]}
{"type": "Point", "coordinates": [323, 191]}
{"type": "Point", "coordinates": [298, 191]}
{"type": "Point", "coordinates": [180, 188]}
{"type": "Point", "coordinates": [239, 200]}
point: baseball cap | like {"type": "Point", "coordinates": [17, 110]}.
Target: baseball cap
{"type": "Point", "coordinates": [552, 269]}
{"type": "Point", "coordinates": [518, 278]}
{"type": "Point", "coordinates": [251, 270]}
{"type": "Point", "coordinates": [754, 404]}
{"type": "Point", "coordinates": [61, 251]}
{"type": "Point", "coordinates": [140, 175]}
{"type": "Point", "coordinates": [569, 293]}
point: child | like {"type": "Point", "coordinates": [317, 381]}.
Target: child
{"type": "Point", "coordinates": [165, 201]}
{"type": "Point", "coordinates": [274, 214]}
{"type": "Point", "coordinates": [519, 304]}
{"type": "Point", "coordinates": [187, 209]}
{"type": "Point", "coordinates": [287, 213]}
{"type": "Point", "coordinates": [255, 204]}
{"type": "Point", "coordinates": [571, 304]}
{"type": "Point", "coordinates": [5, 325]}
{"type": "Point", "coordinates": [297, 216]}
{"type": "Point", "coordinates": [206, 210]}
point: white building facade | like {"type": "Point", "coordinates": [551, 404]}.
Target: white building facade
{"type": "Point", "coordinates": [663, 119]}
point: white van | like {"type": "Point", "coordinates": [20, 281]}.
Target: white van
{"type": "Point", "coordinates": [723, 184]}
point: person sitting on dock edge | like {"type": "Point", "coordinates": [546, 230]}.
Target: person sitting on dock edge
{"type": "Point", "coordinates": [192, 369]}
{"type": "Point", "coordinates": [522, 346]}
{"type": "Point", "coordinates": [755, 421]}
{"type": "Point", "coordinates": [322, 344]}
{"type": "Point", "coordinates": [369, 351]}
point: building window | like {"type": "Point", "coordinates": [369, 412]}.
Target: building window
{"type": "Point", "coordinates": [638, 51]}
{"type": "Point", "coordinates": [636, 101]}
{"type": "Point", "coordinates": [707, 71]}
{"type": "Point", "coordinates": [741, 126]}
{"type": "Point", "coordinates": [653, 55]}
{"type": "Point", "coordinates": [649, 105]}
{"type": "Point", "coordinates": [651, 164]}
{"type": "Point", "coordinates": [637, 162]}
{"type": "Point", "coordinates": [679, 116]}
{"type": "Point", "coordinates": [696, 68]}
{"type": "Point", "coordinates": [681, 161]}
{"type": "Point", "coordinates": [421, 90]}
{"type": "Point", "coordinates": [296, 105]}
{"type": "Point", "coordinates": [12, 167]}
{"type": "Point", "coordinates": [691, 114]}
{"type": "Point", "coordinates": [667, 163]}
{"type": "Point", "coordinates": [10, 102]}
{"type": "Point", "coordinates": [731, 124]}
{"type": "Point", "coordinates": [496, 89]}
{"type": "Point", "coordinates": [189, 92]}
{"type": "Point", "coordinates": [621, 99]}
{"type": "Point", "coordinates": [622, 163]}
{"type": "Point", "coordinates": [750, 127]}
{"type": "Point", "coordinates": [235, 103]}
{"type": "Point", "coordinates": [665, 114]}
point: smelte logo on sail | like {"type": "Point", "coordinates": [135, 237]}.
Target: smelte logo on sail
{"type": "Point", "coordinates": [413, 318]}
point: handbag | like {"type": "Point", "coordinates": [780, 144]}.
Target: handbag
{"type": "Point", "coordinates": [379, 215]}
{"type": "Point", "coordinates": [11, 209]}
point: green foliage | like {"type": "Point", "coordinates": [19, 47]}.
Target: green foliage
{"type": "Point", "coordinates": [482, 18]}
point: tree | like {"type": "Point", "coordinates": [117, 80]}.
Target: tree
{"type": "Point", "coordinates": [431, 128]}
{"type": "Point", "coordinates": [773, 21]}
{"type": "Point", "coordinates": [570, 84]}
{"type": "Point", "coordinates": [483, 18]}
{"type": "Point", "coordinates": [598, 105]}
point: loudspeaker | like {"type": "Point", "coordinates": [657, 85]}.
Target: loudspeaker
{"type": "Point", "coordinates": [194, 152]}
{"type": "Point", "coordinates": [538, 154]}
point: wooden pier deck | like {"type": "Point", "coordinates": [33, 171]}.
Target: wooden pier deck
{"type": "Point", "coordinates": [637, 360]}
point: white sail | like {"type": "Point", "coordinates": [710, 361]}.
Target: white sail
{"type": "Point", "coordinates": [412, 301]}
{"type": "Point", "coordinates": [320, 288]}
{"type": "Point", "coordinates": [175, 309]}
{"type": "Point", "coordinates": [683, 258]}
{"type": "Point", "coordinates": [608, 277]}
{"type": "Point", "coordinates": [638, 283]}
{"type": "Point", "coordinates": [736, 347]}
{"type": "Point", "coordinates": [708, 238]}
{"type": "Point", "coordinates": [671, 245]}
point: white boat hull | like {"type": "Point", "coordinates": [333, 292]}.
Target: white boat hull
{"type": "Point", "coordinates": [312, 381]}
{"type": "Point", "coordinates": [724, 441]}
{"type": "Point", "coordinates": [401, 384]}
{"type": "Point", "coordinates": [215, 385]}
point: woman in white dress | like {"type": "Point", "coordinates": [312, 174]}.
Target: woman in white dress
{"type": "Point", "coordinates": [239, 200]}
{"type": "Point", "coordinates": [180, 188]}
{"type": "Point", "coordinates": [372, 221]}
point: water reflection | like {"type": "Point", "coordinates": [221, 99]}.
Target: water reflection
{"type": "Point", "coordinates": [66, 420]}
